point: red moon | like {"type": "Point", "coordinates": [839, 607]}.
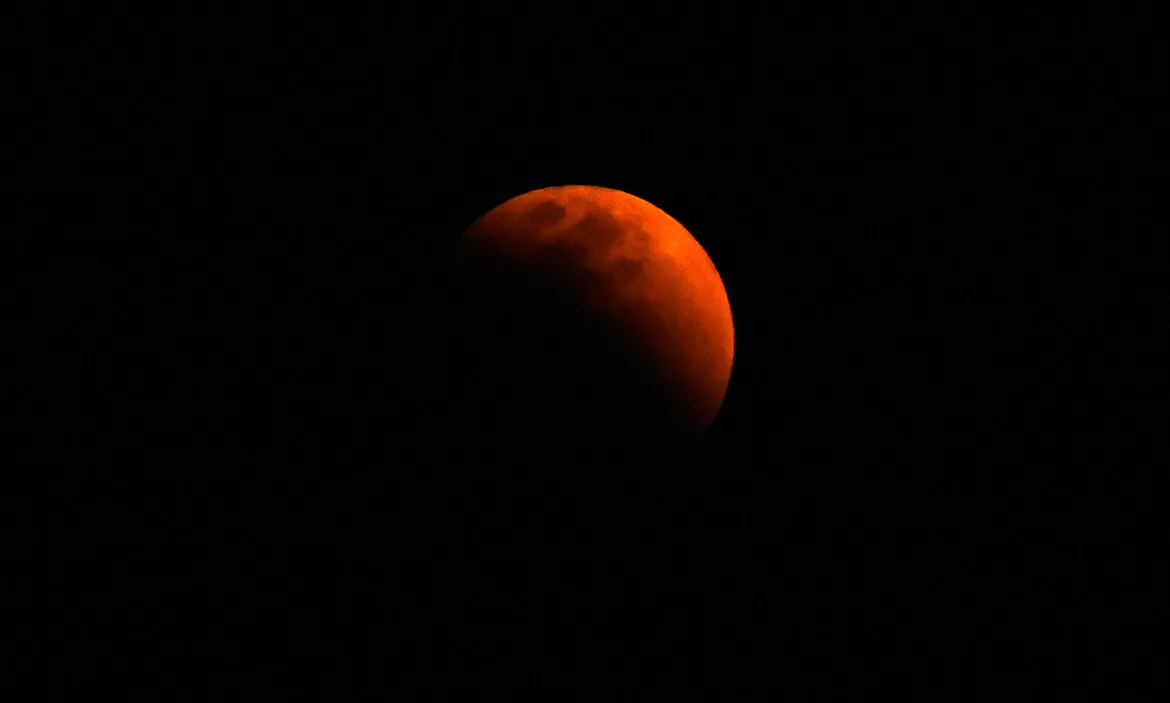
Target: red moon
{"type": "Point", "coordinates": [632, 265]}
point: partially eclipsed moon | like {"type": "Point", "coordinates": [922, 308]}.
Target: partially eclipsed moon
{"type": "Point", "coordinates": [629, 263]}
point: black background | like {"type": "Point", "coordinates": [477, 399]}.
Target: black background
{"type": "Point", "coordinates": [922, 480]}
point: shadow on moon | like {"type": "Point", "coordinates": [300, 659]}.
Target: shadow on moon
{"type": "Point", "coordinates": [534, 374]}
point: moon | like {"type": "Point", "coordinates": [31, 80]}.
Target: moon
{"type": "Point", "coordinates": [629, 291]}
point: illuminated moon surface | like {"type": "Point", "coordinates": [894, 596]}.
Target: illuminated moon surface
{"type": "Point", "coordinates": [629, 273]}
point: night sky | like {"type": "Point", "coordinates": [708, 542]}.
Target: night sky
{"type": "Point", "coordinates": [274, 485]}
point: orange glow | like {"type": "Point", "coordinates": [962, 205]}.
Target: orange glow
{"type": "Point", "coordinates": [638, 265]}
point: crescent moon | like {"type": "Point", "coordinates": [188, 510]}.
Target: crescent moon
{"type": "Point", "coordinates": [633, 264]}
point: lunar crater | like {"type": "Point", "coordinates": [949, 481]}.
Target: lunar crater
{"type": "Point", "coordinates": [547, 214]}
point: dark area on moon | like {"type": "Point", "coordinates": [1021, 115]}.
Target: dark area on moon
{"type": "Point", "coordinates": [534, 372]}
{"type": "Point", "coordinates": [546, 214]}
{"type": "Point", "coordinates": [596, 231]}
